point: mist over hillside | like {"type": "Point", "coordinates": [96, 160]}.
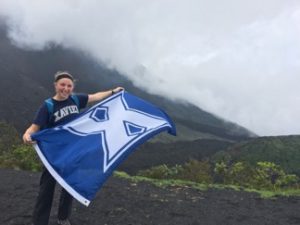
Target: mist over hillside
{"type": "Point", "coordinates": [27, 77]}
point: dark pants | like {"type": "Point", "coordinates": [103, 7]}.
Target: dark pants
{"type": "Point", "coordinates": [43, 204]}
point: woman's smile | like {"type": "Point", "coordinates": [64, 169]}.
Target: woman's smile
{"type": "Point", "coordinates": [63, 88]}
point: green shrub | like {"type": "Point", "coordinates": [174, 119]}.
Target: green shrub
{"type": "Point", "coordinates": [268, 175]}
{"type": "Point", "coordinates": [21, 157]}
{"type": "Point", "coordinates": [197, 171]}
{"type": "Point", "coordinates": [157, 172]}
{"type": "Point", "coordinates": [193, 170]}
{"type": "Point", "coordinates": [240, 174]}
{"type": "Point", "coordinates": [220, 172]}
{"type": "Point", "coordinates": [288, 180]}
{"type": "Point", "coordinates": [263, 176]}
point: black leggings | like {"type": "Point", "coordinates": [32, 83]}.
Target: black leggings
{"type": "Point", "coordinates": [43, 204]}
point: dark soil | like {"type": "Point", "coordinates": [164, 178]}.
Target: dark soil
{"type": "Point", "coordinates": [122, 202]}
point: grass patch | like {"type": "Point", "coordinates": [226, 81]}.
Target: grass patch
{"type": "Point", "coordinates": [163, 183]}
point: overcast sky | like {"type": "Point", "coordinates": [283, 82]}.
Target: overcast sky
{"type": "Point", "coordinates": [237, 59]}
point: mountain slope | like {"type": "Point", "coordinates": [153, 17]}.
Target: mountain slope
{"type": "Point", "coordinates": [27, 76]}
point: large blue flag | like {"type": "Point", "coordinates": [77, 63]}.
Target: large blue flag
{"type": "Point", "coordinates": [81, 154]}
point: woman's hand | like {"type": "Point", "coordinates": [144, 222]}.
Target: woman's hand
{"type": "Point", "coordinates": [27, 135]}
{"type": "Point", "coordinates": [103, 94]}
{"type": "Point", "coordinates": [27, 138]}
{"type": "Point", "coordinates": [117, 89]}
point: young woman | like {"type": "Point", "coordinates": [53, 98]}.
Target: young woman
{"type": "Point", "coordinates": [64, 107]}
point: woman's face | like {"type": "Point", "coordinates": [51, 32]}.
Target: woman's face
{"type": "Point", "coordinates": [63, 88]}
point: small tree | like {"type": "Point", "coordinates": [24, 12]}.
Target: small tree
{"type": "Point", "coordinates": [267, 175]}
{"type": "Point", "coordinates": [240, 173]}
{"type": "Point", "coordinates": [220, 172]}
{"type": "Point", "coordinates": [197, 171]}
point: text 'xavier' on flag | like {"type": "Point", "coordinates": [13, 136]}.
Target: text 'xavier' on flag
{"type": "Point", "coordinates": [81, 154]}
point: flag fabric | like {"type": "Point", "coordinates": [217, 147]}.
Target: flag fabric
{"type": "Point", "coordinates": [84, 152]}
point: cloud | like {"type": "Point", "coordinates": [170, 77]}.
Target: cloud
{"type": "Point", "coordinates": [238, 60]}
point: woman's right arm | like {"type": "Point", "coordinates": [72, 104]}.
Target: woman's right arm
{"type": "Point", "coordinates": [27, 135]}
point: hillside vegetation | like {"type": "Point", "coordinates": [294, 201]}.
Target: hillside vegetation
{"type": "Point", "coordinates": [281, 150]}
{"type": "Point", "coordinates": [266, 176]}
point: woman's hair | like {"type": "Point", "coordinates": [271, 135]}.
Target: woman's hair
{"type": "Point", "coordinates": [63, 74]}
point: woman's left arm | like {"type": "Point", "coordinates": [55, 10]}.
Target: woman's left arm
{"type": "Point", "coordinates": [103, 94]}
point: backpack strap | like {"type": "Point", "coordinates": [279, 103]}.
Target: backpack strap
{"type": "Point", "coordinates": [50, 104]}
{"type": "Point", "coordinates": [76, 100]}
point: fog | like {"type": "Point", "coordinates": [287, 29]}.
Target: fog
{"type": "Point", "coordinates": [239, 60]}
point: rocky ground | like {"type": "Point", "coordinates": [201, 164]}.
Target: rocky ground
{"type": "Point", "coordinates": [122, 202]}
